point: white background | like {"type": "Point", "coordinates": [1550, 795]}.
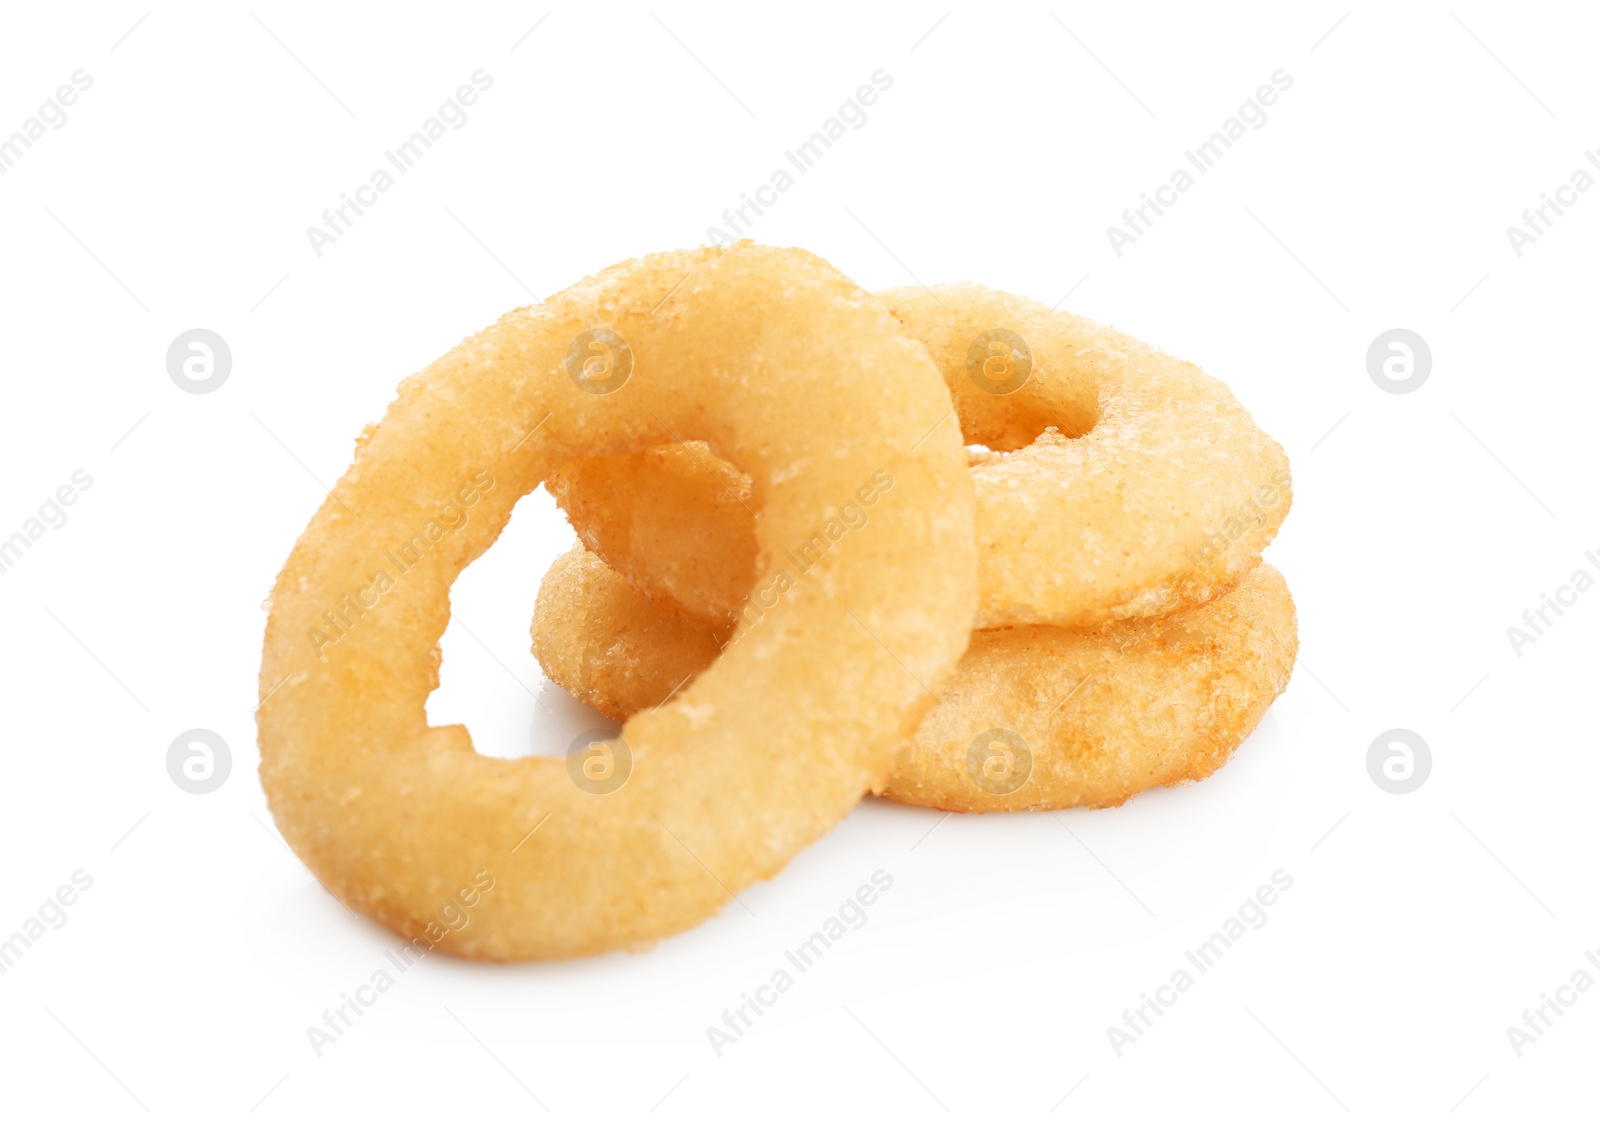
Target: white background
{"type": "Point", "coordinates": [1377, 195]}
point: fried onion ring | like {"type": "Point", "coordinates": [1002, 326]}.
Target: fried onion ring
{"type": "Point", "coordinates": [1117, 481]}
{"type": "Point", "coordinates": [1035, 717]}
{"type": "Point", "coordinates": [790, 372]}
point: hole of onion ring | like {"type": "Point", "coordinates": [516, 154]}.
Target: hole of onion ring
{"type": "Point", "coordinates": [1016, 422]}
{"type": "Point", "coordinates": [488, 678]}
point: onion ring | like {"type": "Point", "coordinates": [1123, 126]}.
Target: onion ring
{"type": "Point", "coordinates": [1117, 481]}
{"type": "Point", "coordinates": [1034, 717]}
{"type": "Point", "coordinates": [762, 353]}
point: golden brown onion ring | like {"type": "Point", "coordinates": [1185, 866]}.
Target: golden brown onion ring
{"type": "Point", "coordinates": [1118, 482]}
{"type": "Point", "coordinates": [791, 373]}
{"type": "Point", "coordinates": [1034, 717]}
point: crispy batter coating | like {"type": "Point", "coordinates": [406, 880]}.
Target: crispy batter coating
{"type": "Point", "coordinates": [1119, 482]}
{"type": "Point", "coordinates": [1034, 717]}
{"type": "Point", "coordinates": [1105, 713]}
{"type": "Point", "coordinates": [787, 370]}
{"type": "Point", "coordinates": [676, 521]}
{"type": "Point", "coordinates": [602, 642]}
